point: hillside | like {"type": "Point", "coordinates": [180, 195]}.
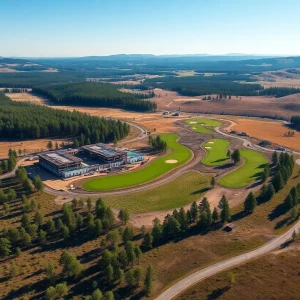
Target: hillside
{"type": "Point", "coordinates": [94, 94]}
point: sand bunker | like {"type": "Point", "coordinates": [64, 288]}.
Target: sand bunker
{"type": "Point", "coordinates": [193, 122]}
{"type": "Point", "coordinates": [207, 147]}
{"type": "Point", "coordinates": [298, 162]}
{"type": "Point", "coordinates": [211, 142]}
{"type": "Point", "coordinates": [202, 124]}
{"type": "Point", "coordinates": [171, 161]}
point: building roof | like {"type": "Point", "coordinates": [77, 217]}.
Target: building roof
{"type": "Point", "coordinates": [104, 150]}
{"type": "Point", "coordinates": [59, 158]}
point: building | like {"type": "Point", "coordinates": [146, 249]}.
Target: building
{"type": "Point", "coordinates": [108, 155]}
{"type": "Point", "coordinates": [61, 163]}
{"type": "Point", "coordinates": [134, 157]}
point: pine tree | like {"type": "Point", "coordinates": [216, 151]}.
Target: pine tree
{"type": "Point", "coordinates": [149, 278]}
{"type": "Point", "coordinates": [250, 203]}
{"type": "Point", "coordinates": [225, 214]}
{"type": "Point", "coordinates": [215, 215]}
{"type": "Point", "coordinates": [147, 241]}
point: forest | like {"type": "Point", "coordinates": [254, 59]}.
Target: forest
{"type": "Point", "coordinates": [94, 94]}
{"type": "Point", "coordinates": [225, 84]}
{"type": "Point", "coordinates": [30, 121]}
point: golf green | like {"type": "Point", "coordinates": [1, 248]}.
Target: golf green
{"type": "Point", "coordinates": [179, 153]}
{"type": "Point", "coordinates": [254, 163]}
{"type": "Point", "coordinates": [216, 152]}
{"type": "Point", "coordinates": [200, 125]}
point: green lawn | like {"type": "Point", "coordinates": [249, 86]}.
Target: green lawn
{"type": "Point", "coordinates": [183, 190]}
{"type": "Point", "coordinates": [200, 125]}
{"type": "Point", "coordinates": [248, 172]}
{"type": "Point", "coordinates": [216, 152]}
{"type": "Point", "coordinates": [158, 167]}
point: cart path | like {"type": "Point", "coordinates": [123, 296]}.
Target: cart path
{"type": "Point", "coordinates": [207, 272]}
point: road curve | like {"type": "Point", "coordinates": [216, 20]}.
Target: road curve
{"type": "Point", "coordinates": [230, 263]}
{"type": "Point", "coordinates": [13, 172]}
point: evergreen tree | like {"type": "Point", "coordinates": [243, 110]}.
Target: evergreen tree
{"type": "Point", "coordinates": [225, 214]}
{"type": "Point", "coordinates": [250, 203]}
{"type": "Point", "coordinates": [149, 278]}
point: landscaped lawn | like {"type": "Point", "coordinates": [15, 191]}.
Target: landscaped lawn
{"type": "Point", "coordinates": [183, 190]}
{"type": "Point", "coordinates": [216, 152]}
{"type": "Point", "coordinates": [248, 172]}
{"type": "Point", "coordinates": [158, 167]}
{"type": "Point", "coordinates": [200, 125]}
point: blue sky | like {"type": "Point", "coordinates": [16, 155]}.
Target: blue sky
{"type": "Point", "coordinates": [102, 27]}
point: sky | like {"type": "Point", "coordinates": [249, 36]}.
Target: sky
{"type": "Point", "coordinates": [63, 28]}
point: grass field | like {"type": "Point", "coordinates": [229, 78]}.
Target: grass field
{"type": "Point", "coordinates": [216, 152]}
{"type": "Point", "coordinates": [158, 167]}
{"type": "Point", "coordinates": [200, 125]}
{"type": "Point", "coordinates": [177, 193]}
{"type": "Point", "coordinates": [248, 172]}
{"type": "Point", "coordinates": [253, 280]}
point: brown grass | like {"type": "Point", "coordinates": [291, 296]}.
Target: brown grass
{"type": "Point", "coordinates": [274, 276]}
{"type": "Point", "coordinates": [267, 130]}
{"type": "Point", "coordinates": [29, 146]}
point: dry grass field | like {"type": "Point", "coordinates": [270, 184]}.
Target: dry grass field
{"type": "Point", "coordinates": [272, 131]}
{"type": "Point", "coordinates": [29, 146]}
{"type": "Point", "coordinates": [22, 97]}
{"type": "Point", "coordinates": [273, 276]}
{"type": "Point", "coordinates": [257, 106]}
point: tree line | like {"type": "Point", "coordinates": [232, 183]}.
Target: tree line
{"type": "Point", "coordinates": [96, 94]}
{"type": "Point", "coordinates": [7, 165]}
{"type": "Point", "coordinates": [295, 121]}
{"type": "Point", "coordinates": [30, 121]}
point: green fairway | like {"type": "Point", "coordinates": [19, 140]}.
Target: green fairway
{"type": "Point", "coordinates": [248, 172]}
{"type": "Point", "coordinates": [156, 168]}
{"type": "Point", "coordinates": [177, 193]}
{"type": "Point", "coordinates": [216, 152]}
{"type": "Point", "coordinates": [200, 125]}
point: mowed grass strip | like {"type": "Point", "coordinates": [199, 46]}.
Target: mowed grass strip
{"type": "Point", "coordinates": [200, 125]}
{"type": "Point", "coordinates": [155, 169]}
{"type": "Point", "coordinates": [254, 163]}
{"type": "Point", "coordinates": [216, 152]}
{"type": "Point", "coordinates": [182, 191]}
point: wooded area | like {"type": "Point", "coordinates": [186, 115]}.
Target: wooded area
{"type": "Point", "coordinates": [30, 121]}
{"type": "Point", "coordinates": [94, 94]}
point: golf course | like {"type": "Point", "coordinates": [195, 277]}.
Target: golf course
{"type": "Point", "coordinates": [179, 192]}
{"type": "Point", "coordinates": [216, 152]}
{"type": "Point", "coordinates": [178, 155]}
{"type": "Point", "coordinates": [200, 125]}
{"type": "Point", "coordinates": [248, 172]}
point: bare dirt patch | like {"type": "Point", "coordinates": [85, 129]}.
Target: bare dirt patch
{"type": "Point", "coordinates": [272, 131]}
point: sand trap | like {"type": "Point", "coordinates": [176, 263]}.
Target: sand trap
{"type": "Point", "coordinates": [298, 162]}
{"type": "Point", "coordinates": [207, 147]}
{"type": "Point", "coordinates": [171, 161]}
{"type": "Point", "coordinates": [193, 122]}
{"type": "Point", "coordinates": [211, 142]}
{"type": "Point", "coordinates": [202, 124]}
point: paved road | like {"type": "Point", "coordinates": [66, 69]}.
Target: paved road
{"type": "Point", "coordinates": [188, 281]}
